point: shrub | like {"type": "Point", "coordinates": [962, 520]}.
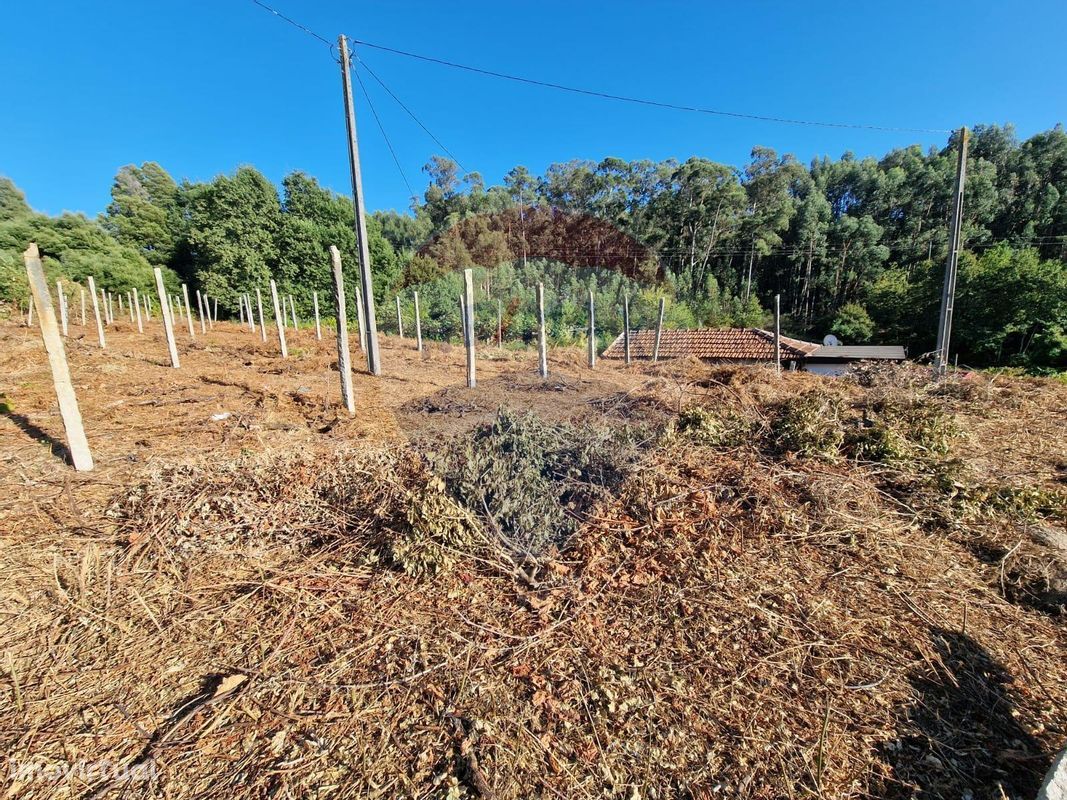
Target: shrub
{"type": "Point", "coordinates": [531, 481]}
{"type": "Point", "coordinates": [810, 424]}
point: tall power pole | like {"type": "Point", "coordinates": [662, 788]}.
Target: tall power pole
{"type": "Point", "coordinates": [373, 354]}
{"type": "Point", "coordinates": [948, 291]}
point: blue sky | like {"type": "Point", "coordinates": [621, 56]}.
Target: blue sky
{"type": "Point", "coordinates": [202, 86]}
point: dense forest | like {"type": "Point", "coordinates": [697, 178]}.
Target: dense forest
{"type": "Point", "coordinates": [853, 246]}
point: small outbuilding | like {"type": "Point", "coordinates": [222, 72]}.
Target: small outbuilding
{"type": "Point", "coordinates": [836, 359]}
{"type": "Point", "coordinates": [749, 346]}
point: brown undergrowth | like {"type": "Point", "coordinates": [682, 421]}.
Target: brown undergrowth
{"type": "Point", "coordinates": [772, 589]}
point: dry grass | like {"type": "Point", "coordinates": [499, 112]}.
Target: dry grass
{"type": "Point", "coordinates": [317, 616]}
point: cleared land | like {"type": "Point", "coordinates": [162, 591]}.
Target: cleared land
{"type": "Point", "coordinates": [768, 588]}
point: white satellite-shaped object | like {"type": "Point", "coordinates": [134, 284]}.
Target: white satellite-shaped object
{"type": "Point", "coordinates": [831, 341]}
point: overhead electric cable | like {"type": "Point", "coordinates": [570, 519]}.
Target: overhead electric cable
{"type": "Point", "coordinates": [640, 100]}
{"type": "Point", "coordinates": [389, 144]}
{"type": "Point", "coordinates": [597, 93]}
{"type": "Point", "coordinates": [410, 113]}
{"type": "Point", "coordinates": [294, 23]}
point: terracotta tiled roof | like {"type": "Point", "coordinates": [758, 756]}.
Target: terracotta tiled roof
{"type": "Point", "coordinates": [749, 344]}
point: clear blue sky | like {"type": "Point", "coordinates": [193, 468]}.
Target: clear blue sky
{"type": "Point", "coordinates": [202, 86]}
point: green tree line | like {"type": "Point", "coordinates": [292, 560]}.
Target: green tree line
{"type": "Point", "coordinates": [854, 246]}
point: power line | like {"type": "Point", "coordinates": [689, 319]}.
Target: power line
{"type": "Point", "coordinates": [640, 100]}
{"type": "Point", "coordinates": [389, 144]}
{"type": "Point", "coordinates": [594, 92]}
{"type": "Point", "coordinates": [294, 23]}
{"type": "Point", "coordinates": [410, 113]}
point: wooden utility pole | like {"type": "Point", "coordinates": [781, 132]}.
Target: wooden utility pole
{"type": "Point", "coordinates": [418, 325]}
{"type": "Point", "coordinates": [77, 444]}
{"type": "Point", "coordinates": [359, 320]}
{"type": "Point", "coordinates": [96, 313]}
{"type": "Point", "coordinates": [344, 357]}
{"type": "Point", "coordinates": [659, 328]}
{"type": "Point", "coordinates": [542, 338]}
{"type": "Point", "coordinates": [168, 318]}
{"type": "Point", "coordinates": [468, 327]}
{"type": "Point", "coordinates": [592, 331]}
{"type": "Point", "coordinates": [626, 326]}
{"type": "Point", "coordinates": [778, 334]}
{"type": "Point", "coordinates": [371, 333]}
{"type": "Point", "coordinates": [948, 290]}
{"type": "Point", "coordinates": [315, 304]}
{"type": "Point", "coordinates": [279, 319]}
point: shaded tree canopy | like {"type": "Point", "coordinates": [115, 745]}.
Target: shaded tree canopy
{"type": "Point", "coordinates": [854, 245]}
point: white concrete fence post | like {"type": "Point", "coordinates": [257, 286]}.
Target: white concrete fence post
{"type": "Point", "coordinates": [542, 336]}
{"type": "Point", "coordinates": [344, 356]}
{"type": "Point", "coordinates": [96, 313]}
{"type": "Point", "coordinates": [279, 319]}
{"type": "Point", "coordinates": [418, 325]}
{"type": "Point", "coordinates": [168, 319]}
{"type": "Point", "coordinates": [77, 444]}
{"type": "Point", "coordinates": [468, 328]}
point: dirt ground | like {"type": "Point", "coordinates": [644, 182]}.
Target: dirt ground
{"type": "Point", "coordinates": [737, 621]}
{"type": "Point", "coordinates": [136, 407]}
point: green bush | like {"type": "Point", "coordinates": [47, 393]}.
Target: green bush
{"type": "Point", "coordinates": [531, 481]}
{"type": "Point", "coordinates": [810, 424]}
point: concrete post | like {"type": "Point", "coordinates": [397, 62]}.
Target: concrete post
{"type": "Point", "coordinates": [77, 444]}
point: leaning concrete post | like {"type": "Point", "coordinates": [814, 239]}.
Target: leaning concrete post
{"type": "Point", "coordinates": [147, 313]}
{"type": "Point", "coordinates": [241, 310]}
{"type": "Point", "coordinates": [129, 307]}
{"type": "Point", "coordinates": [418, 325]}
{"type": "Point", "coordinates": [399, 319]}
{"type": "Point", "coordinates": [359, 320]}
{"type": "Point", "coordinates": [215, 309]}
{"type": "Point", "coordinates": [188, 311]}
{"type": "Point", "coordinates": [121, 309]}
{"type": "Point", "coordinates": [168, 318]}
{"type": "Point", "coordinates": [542, 338]}
{"type": "Point", "coordinates": [83, 305]}
{"type": "Point", "coordinates": [626, 326]}
{"type": "Point", "coordinates": [110, 308]}
{"type": "Point", "coordinates": [468, 330]}
{"type": "Point", "coordinates": [592, 332]}
{"type": "Point", "coordinates": [292, 310]}
{"type": "Point", "coordinates": [96, 313]}
{"type": "Point", "coordinates": [77, 444]}
{"type": "Point", "coordinates": [251, 312]}
{"type": "Point", "coordinates": [137, 306]}
{"type": "Point", "coordinates": [278, 319]}
{"type": "Point", "coordinates": [344, 357]}
{"type": "Point", "coordinates": [315, 303]}
{"type": "Point", "coordinates": [200, 311]}
{"type": "Point", "coordinates": [659, 328]}
{"type": "Point", "coordinates": [262, 325]}
{"type": "Point", "coordinates": [62, 305]}
{"type": "Point", "coordinates": [777, 334]}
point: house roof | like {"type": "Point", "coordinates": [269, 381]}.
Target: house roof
{"type": "Point", "coordinates": [741, 344]}
{"type": "Point", "coordinates": [890, 352]}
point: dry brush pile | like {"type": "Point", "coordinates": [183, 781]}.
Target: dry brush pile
{"type": "Point", "coordinates": [787, 590]}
